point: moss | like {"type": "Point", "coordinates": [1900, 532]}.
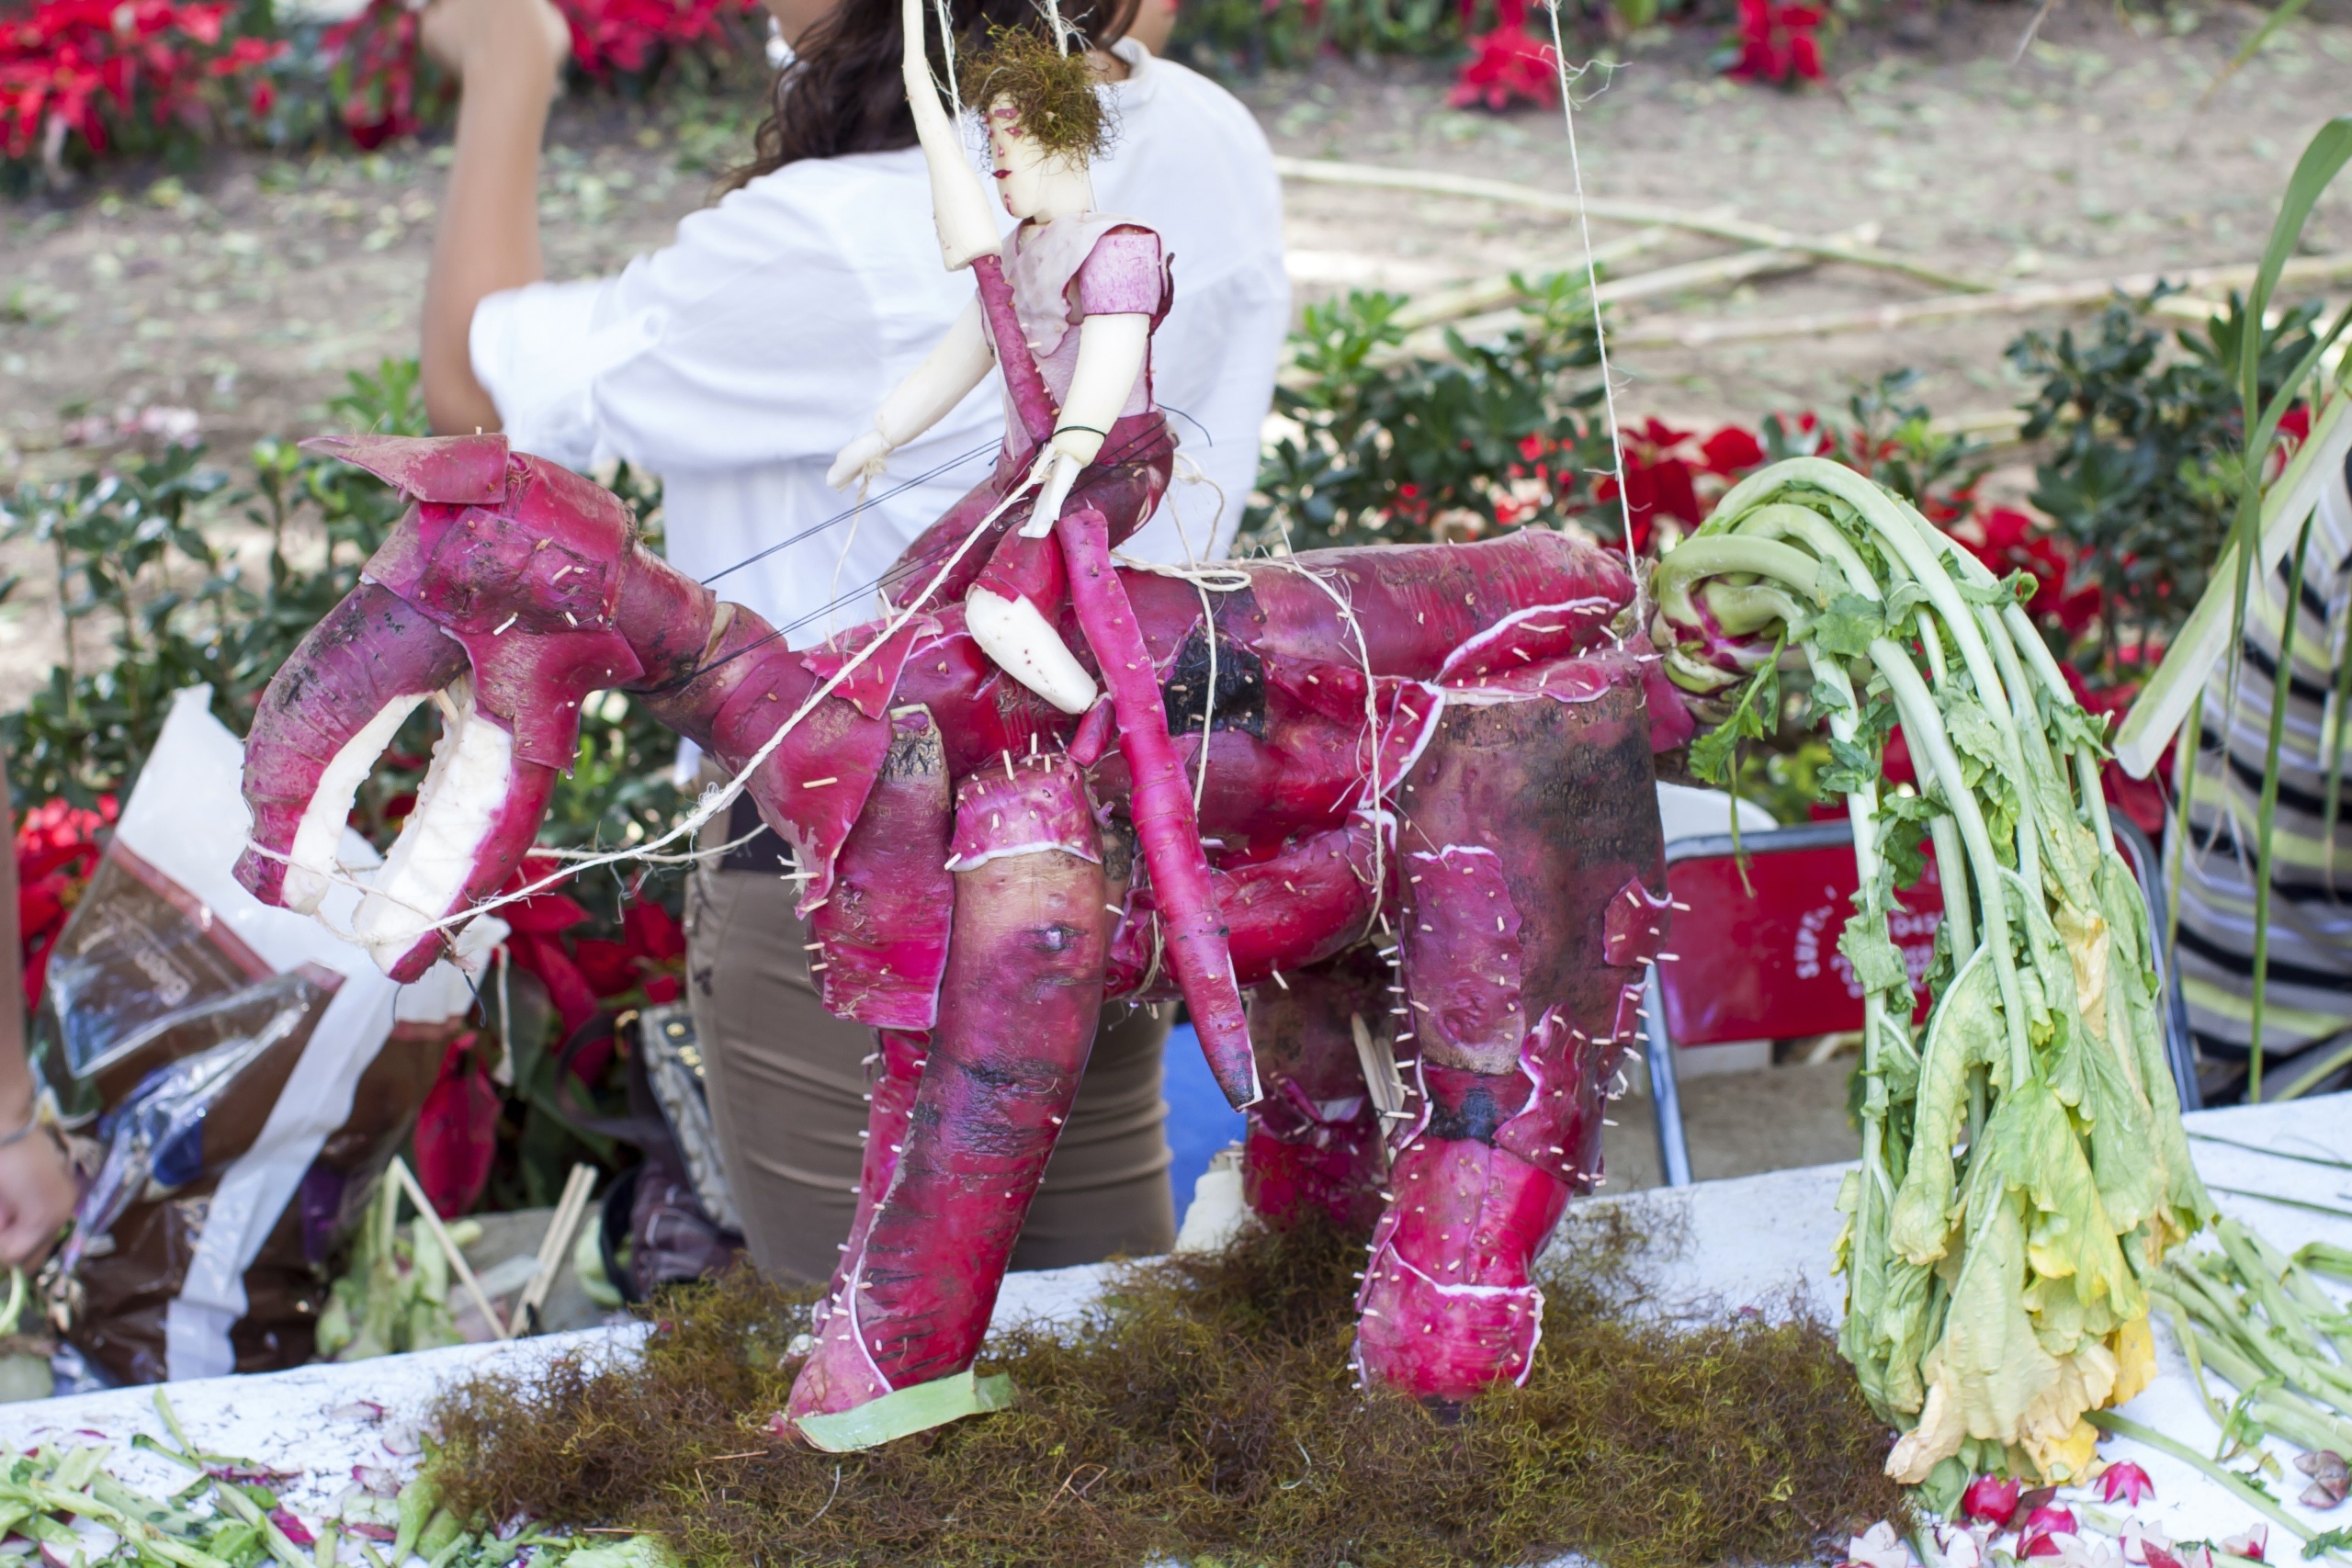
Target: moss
{"type": "Point", "coordinates": [1208, 1416]}
{"type": "Point", "coordinates": [1052, 92]}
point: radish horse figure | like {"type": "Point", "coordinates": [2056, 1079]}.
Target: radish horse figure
{"type": "Point", "coordinates": [1426, 850]}
{"type": "Point", "coordinates": [1382, 818]}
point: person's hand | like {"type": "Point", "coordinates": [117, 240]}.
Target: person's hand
{"type": "Point", "coordinates": [465, 35]}
{"type": "Point", "coordinates": [862, 459]}
{"type": "Point", "coordinates": [37, 1196]}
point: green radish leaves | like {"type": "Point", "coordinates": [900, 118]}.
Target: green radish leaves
{"type": "Point", "coordinates": [2022, 1163]}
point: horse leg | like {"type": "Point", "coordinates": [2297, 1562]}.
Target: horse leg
{"type": "Point", "coordinates": [1530, 836]}
{"type": "Point", "coordinates": [1017, 1011]}
{"type": "Point", "coordinates": [1314, 1140]}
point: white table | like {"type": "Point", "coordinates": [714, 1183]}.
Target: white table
{"type": "Point", "coordinates": [1758, 1241]}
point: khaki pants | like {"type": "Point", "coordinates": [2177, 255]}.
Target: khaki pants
{"type": "Point", "coordinates": [787, 1082]}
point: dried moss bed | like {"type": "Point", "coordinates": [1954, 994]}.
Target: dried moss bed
{"type": "Point", "coordinates": [1208, 1416]}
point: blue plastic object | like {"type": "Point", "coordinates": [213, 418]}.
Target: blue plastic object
{"type": "Point", "coordinates": [1200, 1123]}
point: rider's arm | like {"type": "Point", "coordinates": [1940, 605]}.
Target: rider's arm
{"type": "Point", "coordinates": [946, 376]}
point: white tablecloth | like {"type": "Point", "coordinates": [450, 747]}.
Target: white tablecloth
{"type": "Point", "coordinates": [1758, 1241]}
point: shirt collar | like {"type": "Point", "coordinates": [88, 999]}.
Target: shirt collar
{"type": "Point", "coordinates": [1143, 73]}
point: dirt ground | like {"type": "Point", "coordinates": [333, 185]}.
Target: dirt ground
{"type": "Point", "coordinates": [244, 292]}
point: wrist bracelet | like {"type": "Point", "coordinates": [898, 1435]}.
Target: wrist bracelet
{"type": "Point", "coordinates": [44, 1115]}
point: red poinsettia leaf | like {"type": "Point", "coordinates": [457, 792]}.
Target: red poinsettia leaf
{"type": "Point", "coordinates": [653, 932]}
{"type": "Point", "coordinates": [609, 966]}
{"type": "Point", "coordinates": [457, 1140]}
{"type": "Point", "coordinates": [1731, 450]}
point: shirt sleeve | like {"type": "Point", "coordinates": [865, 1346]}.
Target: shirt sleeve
{"type": "Point", "coordinates": [534, 351]}
{"type": "Point", "coordinates": [768, 333]}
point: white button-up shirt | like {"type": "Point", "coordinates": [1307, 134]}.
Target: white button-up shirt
{"type": "Point", "coordinates": [736, 361]}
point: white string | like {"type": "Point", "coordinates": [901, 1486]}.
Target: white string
{"type": "Point", "coordinates": [947, 45]}
{"type": "Point", "coordinates": [1371, 719]}
{"type": "Point", "coordinates": [719, 797]}
{"type": "Point", "coordinates": [1592, 290]}
{"type": "Point", "coordinates": [1215, 578]}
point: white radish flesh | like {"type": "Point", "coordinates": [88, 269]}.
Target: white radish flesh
{"type": "Point", "coordinates": [1025, 647]}
{"type": "Point", "coordinates": [423, 878]}
{"type": "Point", "coordinates": [320, 833]}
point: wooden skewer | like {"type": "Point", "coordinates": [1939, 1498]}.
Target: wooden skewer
{"type": "Point", "coordinates": [457, 1264]}
{"type": "Point", "coordinates": [569, 1210]}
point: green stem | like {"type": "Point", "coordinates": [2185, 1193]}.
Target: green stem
{"type": "Point", "coordinates": [1924, 726]}
{"type": "Point", "coordinates": [2284, 1203]}
{"type": "Point", "coordinates": [1782, 520]}
{"type": "Point", "coordinates": [2268, 810]}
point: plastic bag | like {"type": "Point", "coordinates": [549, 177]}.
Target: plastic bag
{"type": "Point", "coordinates": [246, 1073]}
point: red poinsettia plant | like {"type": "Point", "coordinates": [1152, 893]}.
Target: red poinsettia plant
{"type": "Point", "coordinates": [1672, 476]}
{"type": "Point", "coordinates": [104, 70]}
{"type": "Point", "coordinates": [586, 978]}
{"type": "Point", "coordinates": [385, 84]}
{"type": "Point", "coordinates": [1508, 65]}
{"type": "Point", "coordinates": [57, 851]}
{"type": "Point", "coordinates": [1777, 43]}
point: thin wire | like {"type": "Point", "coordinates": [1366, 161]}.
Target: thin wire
{"type": "Point", "coordinates": [1592, 285]}
{"type": "Point", "coordinates": [888, 579]}
{"type": "Point", "coordinates": [840, 517]}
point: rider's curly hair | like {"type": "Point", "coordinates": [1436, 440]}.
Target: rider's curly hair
{"type": "Point", "coordinates": [1052, 92]}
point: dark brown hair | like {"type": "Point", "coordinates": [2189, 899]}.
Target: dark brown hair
{"type": "Point", "coordinates": [842, 91]}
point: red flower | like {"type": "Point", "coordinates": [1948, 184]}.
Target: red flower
{"type": "Point", "coordinates": [456, 1132]}
{"type": "Point", "coordinates": [1731, 450]}
{"type": "Point", "coordinates": [1777, 43]}
{"type": "Point", "coordinates": [1504, 66]}
{"type": "Point", "coordinates": [57, 851]}
{"type": "Point", "coordinates": [67, 66]}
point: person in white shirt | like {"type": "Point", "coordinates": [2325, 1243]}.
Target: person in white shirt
{"type": "Point", "coordinates": [735, 363]}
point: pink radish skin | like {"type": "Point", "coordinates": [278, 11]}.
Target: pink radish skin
{"type": "Point", "coordinates": [1524, 820]}
{"type": "Point", "coordinates": [1313, 1144]}
{"type": "Point", "coordinates": [885, 927]}
{"type": "Point", "coordinates": [1472, 704]}
{"type": "Point", "coordinates": [1160, 803]}
{"type": "Point", "coordinates": [1017, 1019]}
{"type": "Point", "coordinates": [371, 652]}
{"type": "Point", "coordinates": [899, 1057]}
{"type": "Point", "coordinates": [1296, 908]}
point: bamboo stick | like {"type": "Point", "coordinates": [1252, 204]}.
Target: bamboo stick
{"type": "Point", "coordinates": [1739, 230]}
{"type": "Point", "coordinates": [1669, 332]}
{"type": "Point", "coordinates": [561, 1225]}
{"type": "Point", "coordinates": [1489, 293]}
{"type": "Point", "coordinates": [449, 1250]}
{"type": "Point", "coordinates": [1712, 272]}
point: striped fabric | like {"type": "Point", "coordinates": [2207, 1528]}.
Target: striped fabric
{"type": "Point", "coordinates": [2308, 996]}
